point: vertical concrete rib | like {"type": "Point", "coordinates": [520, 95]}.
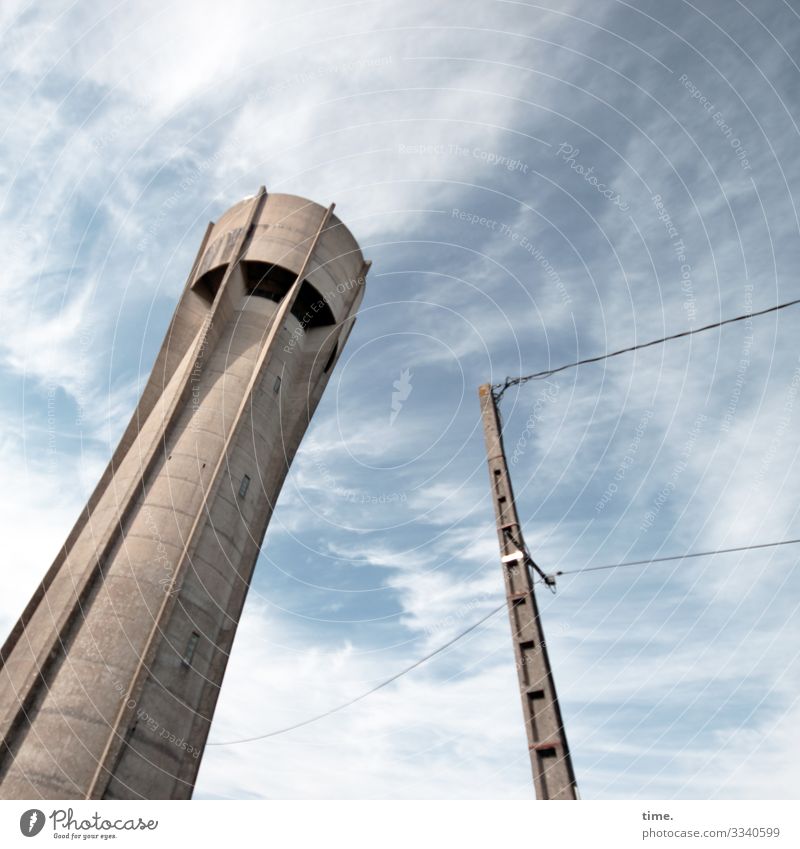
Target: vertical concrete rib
{"type": "Point", "coordinates": [43, 651]}
{"type": "Point", "coordinates": [161, 368]}
{"type": "Point", "coordinates": [127, 708]}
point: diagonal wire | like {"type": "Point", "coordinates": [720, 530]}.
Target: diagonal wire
{"type": "Point", "coordinates": [475, 625]}
{"type": "Point", "coordinates": [500, 388]}
{"type": "Point", "coordinates": [368, 692]}
{"type": "Point", "coordinates": [679, 557]}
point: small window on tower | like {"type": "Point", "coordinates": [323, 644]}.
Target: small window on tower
{"type": "Point", "coordinates": [190, 647]}
{"type": "Point", "coordinates": [243, 487]}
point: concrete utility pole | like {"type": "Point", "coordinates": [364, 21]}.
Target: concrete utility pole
{"type": "Point", "coordinates": [553, 776]}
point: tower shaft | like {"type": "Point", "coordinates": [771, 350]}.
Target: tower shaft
{"type": "Point", "coordinates": [553, 776]}
{"type": "Point", "coordinates": [109, 680]}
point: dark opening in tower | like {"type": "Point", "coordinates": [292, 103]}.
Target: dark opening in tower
{"type": "Point", "coordinates": [273, 281]}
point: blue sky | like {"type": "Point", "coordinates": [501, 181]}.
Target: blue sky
{"type": "Point", "coordinates": [534, 184]}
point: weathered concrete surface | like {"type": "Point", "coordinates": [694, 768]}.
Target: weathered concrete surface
{"type": "Point", "coordinates": [109, 680]}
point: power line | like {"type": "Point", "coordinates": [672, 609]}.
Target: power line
{"type": "Point", "coordinates": [518, 381]}
{"type": "Point", "coordinates": [679, 557]}
{"type": "Point", "coordinates": [368, 692]}
{"type": "Point", "coordinates": [480, 622]}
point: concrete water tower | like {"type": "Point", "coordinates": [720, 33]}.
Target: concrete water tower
{"type": "Point", "coordinates": [109, 679]}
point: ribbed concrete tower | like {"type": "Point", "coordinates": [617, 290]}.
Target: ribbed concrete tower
{"type": "Point", "coordinates": [110, 678]}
